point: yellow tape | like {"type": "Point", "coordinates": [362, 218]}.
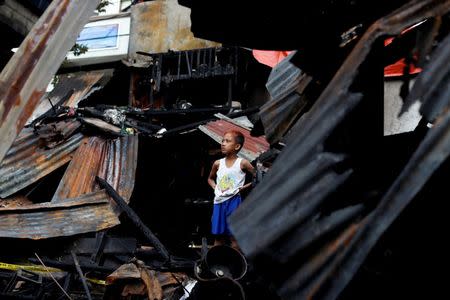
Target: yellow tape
{"type": "Point", "coordinates": [39, 268]}
{"type": "Point", "coordinates": [32, 268]}
{"type": "Point", "coordinates": [96, 281]}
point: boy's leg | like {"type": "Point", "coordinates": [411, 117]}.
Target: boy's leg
{"type": "Point", "coordinates": [231, 207]}
{"type": "Point", "coordinates": [219, 240]}
{"type": "Point", "coordinates": [218, 224]}
{"type": "Point", "coordinates": [234, 244]}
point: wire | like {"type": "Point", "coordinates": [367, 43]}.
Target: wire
{"type": "Point", "coordinates": [57, 283]}
{"type": "Point", "coordinates": [102, 37]}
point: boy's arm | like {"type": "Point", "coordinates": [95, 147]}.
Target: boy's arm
{"type": "Point", "coordinates": [212, 175]}
{"type": "Point", "coordinates": [246, 166]}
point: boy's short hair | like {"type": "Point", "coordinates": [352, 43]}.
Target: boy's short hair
{"type": "Point", "coordinates": [238, 137]}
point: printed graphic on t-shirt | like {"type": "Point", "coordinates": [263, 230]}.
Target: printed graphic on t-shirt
{"type": "Point", "coordinates": [226, 182]}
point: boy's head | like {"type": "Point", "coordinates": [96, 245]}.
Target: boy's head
{"type": "Point", "coordinates": [232, 142]}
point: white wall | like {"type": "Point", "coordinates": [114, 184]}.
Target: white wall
{"type": "Point", "coordinates": [392, 105]}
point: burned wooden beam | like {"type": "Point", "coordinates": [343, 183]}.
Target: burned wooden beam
{"type": "Point", "coordinates": [134, 218]}
{"type": "Point", "coordinates": [24, 79]}
{"type": "Point", "coordinates": [81, 275]}
{"type": "Point", "coordinates": [102, 126]}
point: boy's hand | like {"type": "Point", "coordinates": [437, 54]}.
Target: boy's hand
{"type": "Point", "coordinates": [244, 187]}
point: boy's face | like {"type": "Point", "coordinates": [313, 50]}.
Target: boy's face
{"type": "Point", "coordinates": [229, 144]}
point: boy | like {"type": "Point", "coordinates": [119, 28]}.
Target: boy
{"type": "Point", "coordinates": [227, 178]}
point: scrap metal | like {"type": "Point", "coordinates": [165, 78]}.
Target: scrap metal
{"type": "Point", "coordinates": [115, 160]}
{"type": "Point", "coordinates": [165, 26]}
{"type": "Point", "coordinates": [55, 133]}
{"type": "Point", "coordinates": [27, 161]}
{"type": "Point", "coordinates": [70, 89]}
{"type": "Point", "coordinates": [286, 86]}
{"type": "Point", "coordinates": [91, 212]}
{"type": "Point", "coordinates": [24, 79]}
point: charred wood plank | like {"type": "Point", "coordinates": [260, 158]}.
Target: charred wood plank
{"type": "Point", "coordinates": [134, 218]}
{"type": "Point", "coordinates": [81, 275]}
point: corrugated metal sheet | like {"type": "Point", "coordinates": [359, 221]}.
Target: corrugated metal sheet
{"type": "Point", "coordinates": [24, 79]}
{"type": "Point", "coordinates": [286, 84]}
{"type": "Point", "coordinates": [283, 78]}
{"type": "Point", "coordinates": [79, 177]}
{"type": "Point", "coordinates": [119, 164]}
{"type": "Point", "coordinates": [27, 161]}
{"type": "Point", "coordinates": [91, 212]}
{"type": "Point", "coordinates": [253, 146]}
{"type": "Point", "coordinates": [72, 88]}
{"type": "Point", "coordinates": [115, 160]}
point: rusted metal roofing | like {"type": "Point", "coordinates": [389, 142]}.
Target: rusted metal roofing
{"type": "Point", "coordinates": [91, 212]}
{"type": "Point", "coordinates": [27, 161]}
{"type": "Point", "coordinates": [80, 174]}
{"type": "Point", "coordinates": [253, 146]}
{"type": "Point", "coordinates": [72, 88]}
{"type": "Point", "coordinates": [118, 166]}
{"type": "Point", "coordinates": [24, 79]}
{"type": "Point", "coordinates": [115, 160]}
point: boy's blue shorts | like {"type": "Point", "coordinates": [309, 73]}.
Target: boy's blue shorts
{"type": "Point", "coordinates": [221, 212]}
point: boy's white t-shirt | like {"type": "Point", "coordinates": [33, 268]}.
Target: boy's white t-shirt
{"type": "Point", "coordinates": [229, 180]}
